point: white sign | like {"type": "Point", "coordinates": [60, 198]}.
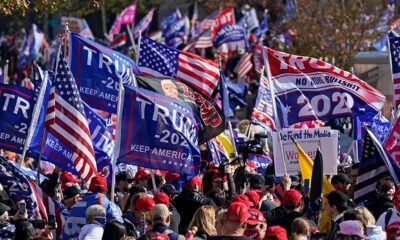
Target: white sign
{"type": "Point", "coordinates": [309, 140]}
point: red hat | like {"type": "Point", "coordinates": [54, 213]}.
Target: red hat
{"type": "Point", "coordinates": [142, 174]}
{"type": "Point", "coordinates": [243, 199]}
{"type": "Point", "coordinates": [159, 236]}
{"type": "Point", "coordinates": [218, 176]}
{"type": "Point", "coordinates": [259, 192]}
{"type": "Point", "coordinates": [161, 197]}
{"type": "Point", "coordinates": [237, 212]}
{"type": "Point", "coordinates": [171, 177]}
{"type": "Point", "coordinates": [291, 197]}
{"type": "Point", "coordinates": [393, 230]}
{"type": "Point", "coordinates": [396, 198]}
{"type": "Point", "coordinates": [192, 182]}
{"type": "Point", "coordinates": [69, 177]}
{"type": "Point", "coordinates": [98, 184]}
{"type": "Point", "coordinates": [251, 164]}
{"type": "Point", "coordinates": [144, 203]}
{"type": "Point", "coordinates": [256, 217]}
{"type": "Point", "coordinates": [253, 197]}
{"type": "Point", "coordinates": [276, 231]}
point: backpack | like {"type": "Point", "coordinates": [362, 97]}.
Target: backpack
{"type": "Point", "coordinates": [388, 215]}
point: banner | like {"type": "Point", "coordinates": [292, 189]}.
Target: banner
{"type": "Point", "coordinates": [250, 20]}
{"type": "Point", "coordinates": [228, 34]}
{"type": "Point", "coordinates": [379, 125]}
{"type": "Point", "coordinates": [392, 143]}
{"type": "Point", "coordinates": [97, 70]}
{"type": "Point", "coordinates": [226, 16]}
{"type": "Point", "coordinates": [310, 89]}
{"type": "Point", "coordinates": [175, 33]}
{"type": "Point", "coordinates": [309, 140]}
{"type": "Point", "coordinates": [77, 25]}
{"type": "Point", "coordinates": [263, 113]}
{"type": "Point", "coordinates": [164, 135]}
{"type": "Point", "coordinates": [211, 116]}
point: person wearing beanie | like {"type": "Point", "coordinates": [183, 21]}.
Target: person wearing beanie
{"type": "Point", "coordinates": [162, 218]}
{"type": "Point", "coordinates": [96, 195]}
{"type": "Point", "coordinates": [235, 223]}
{"type": "Point", "coordinates": [189, 200]}
{"type": "Point", "coordinates": [71, 196]}
{"type": "Point", "coordinates": [336, 205]}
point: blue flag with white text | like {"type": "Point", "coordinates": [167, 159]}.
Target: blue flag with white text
{"type": "Point", "coordinates": [97, 70]}
{"type": "Point", "coordinates": [160, 132]}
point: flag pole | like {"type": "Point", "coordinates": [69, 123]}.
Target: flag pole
{"type": "Point", "coordinates": [36, 113]}
{"type": "Point", "coordinates": [131, 36]}
{"type": "Point", "coordinates": [138, 47]}
{"type": "Point", "coordinates": [391, 67]}
{"type": "Point", "coordinates": [40, 155]}
{"type": "Point", "coordinates": [6, 72]}
{"type": "Point", "coordinates": [117, 135]}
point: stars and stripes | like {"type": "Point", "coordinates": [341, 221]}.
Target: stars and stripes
{"type": "Point", "coordinates": [263, 109]}
{"type": "Point", "coordinates": [144, 23]}
{"type": "Point", "coordinates": [244, 65]}
{"type": "Point", "coordinates": [159, 60]}
{"type": "Point", "coordinates": [394, 46]}
{"type": "Point", "coordinates": [66, 120]}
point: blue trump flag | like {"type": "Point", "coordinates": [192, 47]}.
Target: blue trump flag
{"type": "Point", "coordinates": [160, 132]}
{"type": "Point", "coordinates": [223, 93]}
{"type": "Point", "coordinates": [97, 70]}
{"type": "Point", "coordinates": [56, 152]}
{"type": "Point", "coordinates": [230, 33]}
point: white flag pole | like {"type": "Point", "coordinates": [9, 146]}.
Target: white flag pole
{"type": "Point", "coordinates": [138, 47]}
{"type": "Point", "coordinates": [117, 135]}
{"type": "Point", "coordinates": [36, 112]}
{"type": "Point", "coordinates": [130, 34]}
{"type": "Point", "coordinates": [6, 72]}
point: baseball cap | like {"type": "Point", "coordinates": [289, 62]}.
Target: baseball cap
{"type": "Point", "coordinates": [192, 182]}
{"type": "Point", "coordinates": [256, 217]}
{"type": "Point", "coordinates": [393, 230]}
{"type": "Point", "coordinates": [171, 177]}
{"type": "Point", "coordinates": [275, 232]}
{"type": "Point", "coordinates": [161, 197]}
{"type": "Point", "coordinates": [341, 178]}
{"type": "Point", "coordinates": [237, 212]}
{"type": "Point", "coordinates": [159, 236]}
{"type": "Point", "coordinates": [69, 177]}
{"type": "Point", "coordinates": [144, 203]}
{"type": "Point", "coordinates": [256, 181]}
{"type": "Point", "coordinates": [160, 212]}
{"type": "Point", "coordinates": [142, 174]}
{"type": "Point", "coordinates": [3, 208]}
{"type": "Point", "coordinates": [291, 197]}
{"type": "Point", "coordinates": [351, 228]}
{"type": "Point", "coordinates": [169, 189]}
{"type": "Point", "coordinates": [337, 198]}
{"type": "Point", "coordinates": [71, 192]}
{"type": "Point", "coordinates": [254, 198]}
{"type": "Point", "coordinates": [243, 199]}
{"type": "Point", "coordinates": [98, 184]}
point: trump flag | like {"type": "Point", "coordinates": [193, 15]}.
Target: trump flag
{"type": "Point", "coordinates": [160, 132]}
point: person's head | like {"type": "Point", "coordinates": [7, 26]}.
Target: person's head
{"type": "Point", "coordinates": [341, 182]}
{"type": "Point", "coordinates": [292, 200]}
{"type": "Point", "coordinates": [275, 233]}
{"type": "Point", "coordinates": [220, 182]}
{"type": "Point", "coordinates": [256, 225]}
{"type": "Point", "coordinates": [236, 219]}
{"type": "Point", "coordinates": [142, 204]}
{"type": "Point", "coordinates": [257, 182]}
{"type": "Point", "coordinates": [24, 231]}
{"type": "Point", "coordinates": [219, 221]}
{"type": "Point", "coordinates": [159, 181]}
{"type": "Point", "coordinates": [194, 184]}
{"type": "Point", "coordinates": [124, 181]}
{"type": "Point", "coordinates": [393, 230]}
{"type": "Point", "coordinates": [71, 196]}
{"type": "Point", "coordinates": [369, 218]}
{"type": "Point", "coordinates": [169, 88]}
{"type": "Point", "coordinates": [142, 176]}
{"type": "Point", "coordinates": [336, 204]}
{"type": "Point", "coordinates": [96, 214]}
{"type": "Point", "coordinates": [67, 180]}
{"type": "Point", "coordinates": [254, 199]}
{"type": "Point", "coordinates": [301, 227]}
{"type": "Point", "coordinates": [4, 213]}
{"type": "Point", "coordinates": [161, 197]}
{"type": "Point", "coordinates": [350, 229]}
{"type": "Point", "coordinates": [160, 214]}
{"type": "Point", "coordinates": [98, 184]}
{"type": "Point", "coordinates": [352, 214]}
{"type": "Point", "coordinates": [204, 220]}
{"type": "Point", "coordinates": [385, 188]}
{"type": "Point", "coordinates": [170, 190]}
{"type": "Point", "coordinates": [114, 231]}
{"type": "Point", "coordinates": [269, 184]}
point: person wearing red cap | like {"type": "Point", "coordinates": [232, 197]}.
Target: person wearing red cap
{"type": "Point", "coordinates": [256, 225]}
{"type": "Point", "coordinates": [189, 200]}
{"type": "Point", "coordinates": [235, 222]}
{"type": "Point", "coordinates": [140, 206]}
{"type": "Point", "coordinates": [142, 176]}
{"type": "Point", "coordinates": [275, 233]}
{"type": "Point", "coordinates": [254, 198]}
{"type": "Point", "coordinates": [283, 216]}
{"type": "Point", "coordinates": [68, 180]}
{"type": "Point", "coordinates": [163, 198]}
{"type": "Point", "coordinates": [392, 214]}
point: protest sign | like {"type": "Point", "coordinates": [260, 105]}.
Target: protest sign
{"type": "Point", "coordinates": [97, 70]}
{"type": "Point", "coordinates": [160, 132]}
{"type": "Point", "coordinates": [309, 140]}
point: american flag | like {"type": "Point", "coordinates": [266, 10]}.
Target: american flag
{"type": "Point", "coordinates": [66, 120]}
{"type": "Point", "coordinates": [244, 65]}
{"type": "Point", "coordinates": [263, 109]}
{"type": "Point", "coordinates": [394, 47]}
{"type": "Point", "coordinates": [119, 41]}
{"type": "Point", "coordinates": [144, 23]}
{"type": "Point", "coordinates": [160, 61]}
{"type": "Point", "coordinates": [375, 164]}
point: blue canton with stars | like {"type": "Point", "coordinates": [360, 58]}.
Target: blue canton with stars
{"type": "Point", "coordinates": [158, 57]}
{"type": "Point", "coordinates": [66, 86]}
{"type": "Point", "coordinates": [395, 54]}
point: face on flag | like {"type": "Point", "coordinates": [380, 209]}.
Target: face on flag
{"type": "Point", "coordinates": [66, 120]}
{"type": "Point", "coordinates": [159, 132]}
